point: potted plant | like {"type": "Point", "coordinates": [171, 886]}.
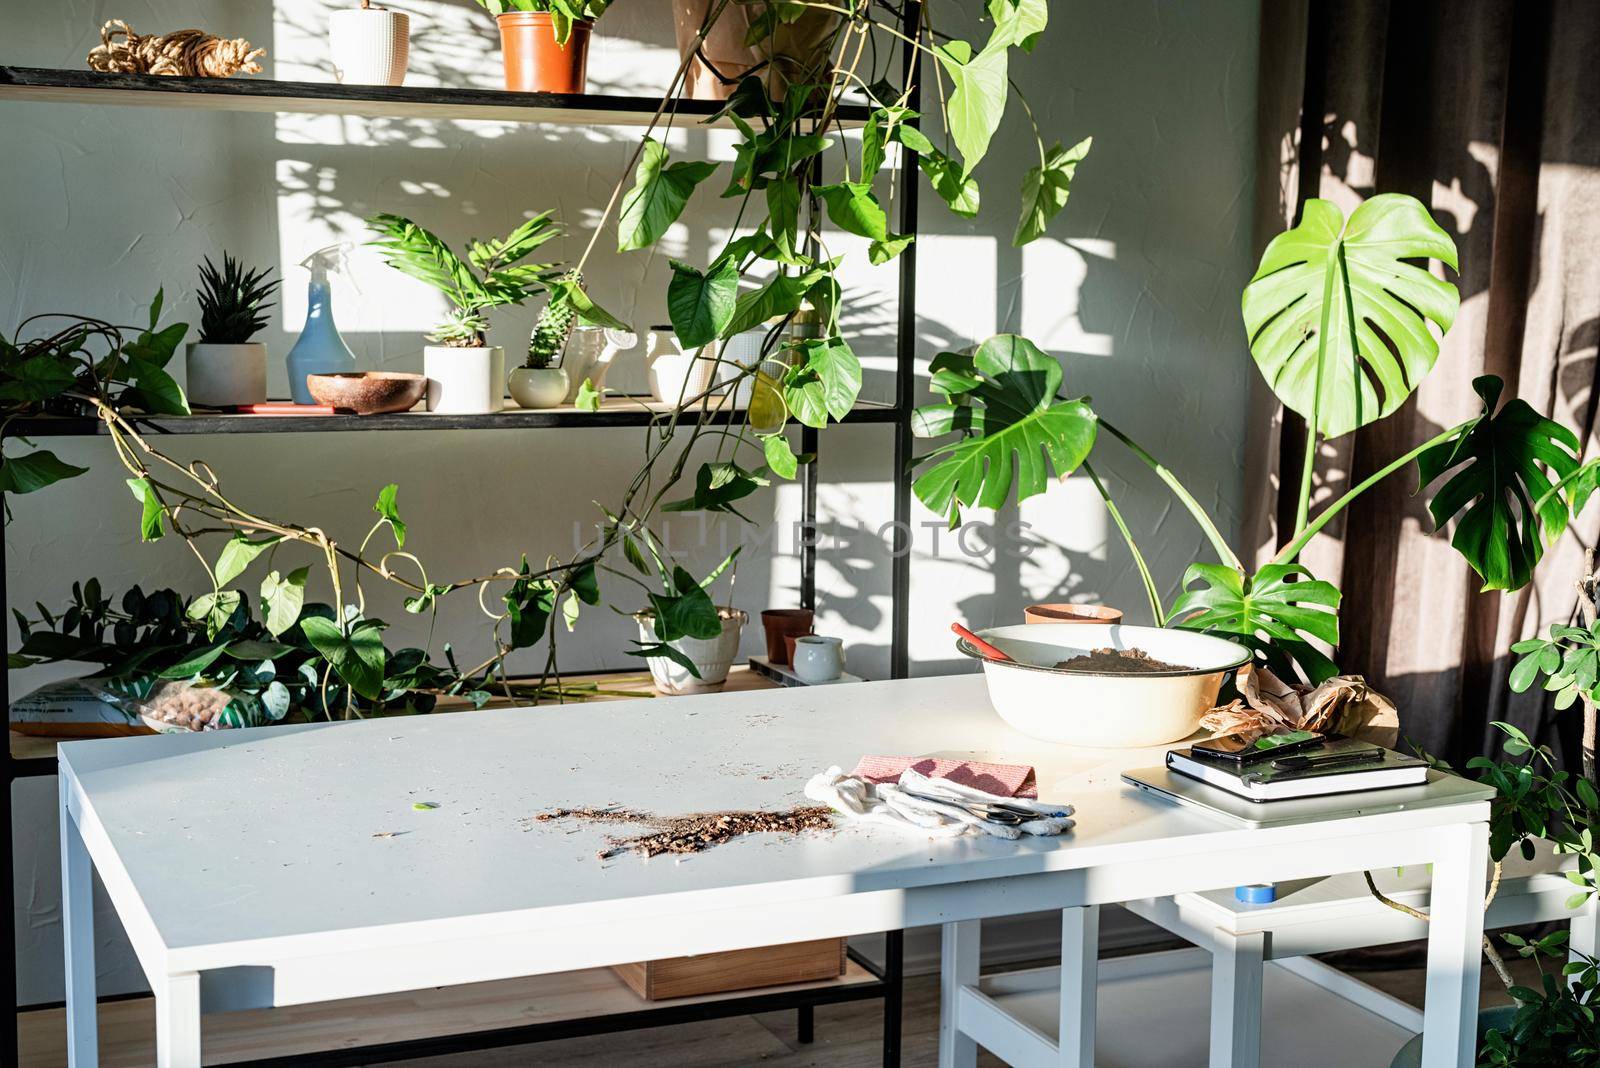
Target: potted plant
{"type": "Point", "coordinates": [465, 374]}
{"type": "Point", "coordinates": [782, 48]}
{"type": "Point", "coordinates": [224, 366]}
{"type": "Point", "coordinates": [689, 640]}
{"type": "Point", "coordinates": [370, 45]}
{"type": "Point", "coordinates": [545, 42]}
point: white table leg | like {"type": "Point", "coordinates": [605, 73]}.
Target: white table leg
{"type": "Point", "coordinates": [1455, 954]}
{"type": "Point", "coordinates": [1080, 967]}
{"type": "Point", "coordinates": [77, 930]}
{"type": "Point", "coordinates": [958, 967]}
{"type": "Point", "coordinates": [178, 1021]}
{"type": "Point", "coordinates": [1237, 964]}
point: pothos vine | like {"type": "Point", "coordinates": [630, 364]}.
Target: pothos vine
{"type": "Point", "coordinates": [774, 266]}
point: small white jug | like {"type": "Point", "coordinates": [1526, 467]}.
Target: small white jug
{"type": "Point", "coordinates": [818, 659]}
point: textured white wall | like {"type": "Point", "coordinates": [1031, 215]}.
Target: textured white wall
{"type": "Point", "coordinates": [1137, 290]}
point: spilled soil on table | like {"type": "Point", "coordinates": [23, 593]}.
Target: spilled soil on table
{"type": "Point", "coordinates": [692, 833]}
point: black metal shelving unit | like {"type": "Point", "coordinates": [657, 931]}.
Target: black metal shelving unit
{"type": "Point", "coordinates": [266, 96]}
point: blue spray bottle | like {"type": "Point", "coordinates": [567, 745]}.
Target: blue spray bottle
{"type": "Point", "coordinates": [320, 349]}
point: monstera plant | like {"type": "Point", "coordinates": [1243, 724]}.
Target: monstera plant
{"type": "Point", "coordinates": [1341, 324]}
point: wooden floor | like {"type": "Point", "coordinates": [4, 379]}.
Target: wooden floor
{"type": "Point", "coordinates": [847, 1036]}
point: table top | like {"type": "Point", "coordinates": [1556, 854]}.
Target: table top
{"type": "Point", "coordinates": [231, 836]}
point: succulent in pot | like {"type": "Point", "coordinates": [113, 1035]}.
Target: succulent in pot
{"type": "Point", "coordinates": [466, 375]}
{"type": "Point", "coordinates": [545, 42]}
{"type": "Point", "coordinates": [224, 367]}
{"type": "Point", "coordinates": [541, 381]}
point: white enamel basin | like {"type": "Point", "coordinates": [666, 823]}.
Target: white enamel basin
{"type": "Point", "coordinates": [1104, 709]}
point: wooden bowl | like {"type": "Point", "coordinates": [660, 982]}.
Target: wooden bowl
{"type": "Point", "coordinates": [368, 392]}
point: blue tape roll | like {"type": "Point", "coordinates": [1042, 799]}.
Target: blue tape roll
{"type": "Point", "coordinates": [1256, 894]}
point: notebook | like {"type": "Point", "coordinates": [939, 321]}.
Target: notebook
{"type": "Point", "coordinates": [1439, 789]}
{"type": "Point", "coordinates": [1339, 766]}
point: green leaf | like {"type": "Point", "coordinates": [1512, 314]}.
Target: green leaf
{"type": "Point", "coordinates": [780, 456]}
{"type": "Point", "coordinates": [357, 657]}
{"type": "Point", "coordinates": [387, 507]}
{"type": "Point", "coordinates": [38, 378]}
{"type": "Point", "coordinates": [282, 598]}
{"type": "Point", "coordinates": [658, 195]}
{"type": "Point", "coordinates": [529, 602]}
{"type": "Point", "coordinates": [588, 398]}
{"type": "Point", "coordinates": [977, 96]}
{"type": "Point", "coordinates": [661, 650]}
{"type": "Point", "coordinates": [1502, 464]}
{"type": "Point", "coordinates": [215, 608]}
{"type": "Point", "coordinates": [253, 650]}
{"type": "Point", "coordinates": [157, 392]}
{"type": "Point", "coordinates": [150, 526]}
{"type": "Point", "coordinates": [425, 600]}
{"type": "Point", "coordinates": [716, 487]}
{"type": "Point", "coordinates": [688, 613]}
{"type": "Point", "coordinates": [237, 555]}
{"type": "Point", "coordinates": [275, 701]}
{"type": "Point", "coordinates": [783, 214]}
{"type": "Point", "coordinates": [854, 208]}
{"type": "Point", "coordinates": [1045, 189]}
{"type": "Point", "coordinates": [1019, 22]}
{"type": "Point", "coordinates": [825, 383]}
{"type": "Point", "coordinates": [1276, 613]}
{"type": "Point", "coordinates": [778, 297]}
{"type": "Point", "coordinates": [1385, 300]}
{"type": "Point", "coordinates": [1011, 418]}
{"type": "Point", "coordinates": [195, 663]}
{"type": "Point", "coordinates": [571, 290]}
{"type": "Point", "coordinates": [34, 471]}
{"type": "Point", "coordinates": [957, 189]}
{"type": "Point", "coordinates": [584, 581]}
{"type": "Point", "coordinates": [701, 305]}
{"type": "Point", "coordinates": [881, 252]}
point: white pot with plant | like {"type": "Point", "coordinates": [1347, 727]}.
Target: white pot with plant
{"type": "Point", "coordinates": [543, 381]}
{"type": "Point", "coordinates": [370, 45]}
{"type": "Point", "coordinates": [225, 368]}
{"type": "Point", "coordinates": [466, 375]}
{"type": "Point", "coordinates": [688, 639]}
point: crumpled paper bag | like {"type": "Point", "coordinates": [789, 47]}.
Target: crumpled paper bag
{"type": "Point", "coordinates": [1345, 704]}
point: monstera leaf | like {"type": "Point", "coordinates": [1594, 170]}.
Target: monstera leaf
{"type": "Point", "coordinates": [1275, 612]}
{"type": "Point", "coordinates": [1007, 409]}
{"type": "Point", "coordinates": [1500, 493]}
{"type": "Point", "coordinates": [1338, 321]}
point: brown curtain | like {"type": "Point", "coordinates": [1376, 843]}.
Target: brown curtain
{"type": "Point", "coordinates": [1489, 112]}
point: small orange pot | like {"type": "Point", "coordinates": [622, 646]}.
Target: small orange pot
{"type": "Point", "coordinates": [535, 63]}
{"type": "Point", "coordinates": [1071, 613]}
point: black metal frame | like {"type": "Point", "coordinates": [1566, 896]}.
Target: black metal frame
{"type": "Point", "coordinates": [889, 982]}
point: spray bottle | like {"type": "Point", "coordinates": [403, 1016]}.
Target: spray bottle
{"type": "Point", "coordinates": [320, 349]}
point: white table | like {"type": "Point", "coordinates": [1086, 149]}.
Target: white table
{"type": "Point", "coordinates": [245, 868]}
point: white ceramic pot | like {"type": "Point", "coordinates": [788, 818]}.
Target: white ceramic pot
{"type": "Point", "coordinates": [818, 659]}
{"type": "Point", "coordinates": [219, 376]}
{"type": "Point", "coordinates": [465, 381]}
{"type": "Point", "coordinates": [538, 387]}
{"type": "Point", "coordinates": [370, 46]}
{"type": "Point", "coordinates": [677, 376]}
{"type": "Point", "coordinates": [712, 657]}
{"type": "Point", "coordinates": [590, 351]}
{"type": "Point", "coordinates": [1104, 709]}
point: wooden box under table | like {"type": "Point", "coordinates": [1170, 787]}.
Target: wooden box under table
{"type": "Point", "coordinates": [738, 969]}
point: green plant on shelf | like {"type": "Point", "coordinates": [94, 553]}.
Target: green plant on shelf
{"type": "Point", "coordinates": [563, 13]}
{"type": "Point", "coordinates": [790, 179]}
{"type": "Point", "coordinates": [233, 301]}
{"type": "Point", "coordinates": [493, 274]}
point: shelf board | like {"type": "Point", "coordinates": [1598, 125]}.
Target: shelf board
{"type": "Point", "coordinates": [127, 1026]}
{"type": "Point", "coordinates": [263, 95]}
{"type": "Point", "coordinates": [614, 412]}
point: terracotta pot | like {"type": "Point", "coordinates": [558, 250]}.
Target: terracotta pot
{"type": "Point", "coordinates": [535, 63]}
{"type": "Point", "coordinates": [782, 622]}
{"type": "Point", "coordinates": [796, 52]}
{"type": "Point", "coordinates": [788, 645]}
{"type": "Point", "coordinates": [1071, 613]}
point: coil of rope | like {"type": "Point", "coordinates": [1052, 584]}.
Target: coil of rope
{"type": "Point", "coordinates": [185, 53]}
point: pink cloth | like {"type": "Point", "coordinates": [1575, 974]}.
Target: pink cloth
{"type": "Point", "coordinates": [1006, 780]}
